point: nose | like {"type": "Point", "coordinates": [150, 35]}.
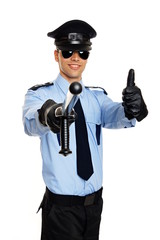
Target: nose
{"type": "Point", "coordinates": [75, 56]}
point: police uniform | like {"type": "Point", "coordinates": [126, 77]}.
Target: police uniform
{"type": "Point", "coordinates": [72, 206]}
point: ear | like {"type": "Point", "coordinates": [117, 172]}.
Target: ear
{"type": "Point", "coordinates": [56, 56]}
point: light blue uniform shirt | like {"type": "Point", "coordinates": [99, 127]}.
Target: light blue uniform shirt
{"type": "Point", "coordinates": [59, 172]}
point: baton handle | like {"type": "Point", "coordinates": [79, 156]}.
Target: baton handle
{"type": "Point", "coordinates": [74, 89]}
{"type": "Point", "coordinates": [64, 136]}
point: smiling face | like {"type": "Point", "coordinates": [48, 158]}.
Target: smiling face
{"type": "Point", "coordinates": [70, 68]}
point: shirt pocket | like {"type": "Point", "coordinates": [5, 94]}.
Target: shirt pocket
{"type": "Point", "coordinates": [93, 121]}
{"type": "Point", "coordinates": [92, 113]}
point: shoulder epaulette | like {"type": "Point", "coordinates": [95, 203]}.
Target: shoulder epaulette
{"type": "Point", "coordinates": [100, 88]}
{"type": "Point", "coordinates": [34, 88]}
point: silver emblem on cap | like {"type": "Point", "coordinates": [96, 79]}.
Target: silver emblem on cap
{"type": "Point", "coordinates": [75, 36]}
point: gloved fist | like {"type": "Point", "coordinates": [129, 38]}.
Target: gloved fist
{"type": "Point", "coordinates": [133, 103]}
{"type": "Point", "coordinates": [47, 115]}
{"type": "Point", "coordinates": [50, 113]}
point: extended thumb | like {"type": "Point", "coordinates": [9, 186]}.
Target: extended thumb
{"type": "Point", "coordinates": [131, 78]}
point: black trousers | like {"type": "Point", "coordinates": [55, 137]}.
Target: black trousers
{"type": "Point", "coordinates": [71, 217]}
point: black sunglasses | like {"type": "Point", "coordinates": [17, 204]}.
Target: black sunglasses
{"type": "Point", "coordinates": [67, 54]}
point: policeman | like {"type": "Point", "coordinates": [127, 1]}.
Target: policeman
{"type": "Point", "coordinates": [72, 203]}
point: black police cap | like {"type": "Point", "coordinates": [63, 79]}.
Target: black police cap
{"type": "Point", "coordinates": [73, 35]}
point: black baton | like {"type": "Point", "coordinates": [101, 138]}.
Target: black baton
{"type": "Point", "coordinates": [75, 88]}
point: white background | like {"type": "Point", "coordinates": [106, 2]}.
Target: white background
{"type": "Point", "coordinates": [128, 37]}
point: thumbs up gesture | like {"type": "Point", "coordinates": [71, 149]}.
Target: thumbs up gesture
{"type": "Point", "coordinates": [133, 103]}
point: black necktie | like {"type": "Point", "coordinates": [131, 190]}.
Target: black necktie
{"type": "Point", "coordinates": [84, 161]}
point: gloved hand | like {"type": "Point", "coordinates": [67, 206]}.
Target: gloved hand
{"type": "Point", "coordinates": [49, 115]}
{"type": "Point", "coordinates": [133, 103]}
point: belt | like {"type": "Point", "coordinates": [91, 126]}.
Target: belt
{"type": "Point", "coordinates": [72, 200]}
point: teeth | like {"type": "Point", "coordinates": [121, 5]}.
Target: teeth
{"type": "Point", "coordinates": [74, 66]}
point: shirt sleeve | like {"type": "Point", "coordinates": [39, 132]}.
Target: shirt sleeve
{"type": "Point", "coordinates": [112, 113]}
{"type": "Point", "coordinates": [32, 104]}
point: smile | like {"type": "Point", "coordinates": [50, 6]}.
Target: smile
{"type": "Point", "coordinates": [74, 66]}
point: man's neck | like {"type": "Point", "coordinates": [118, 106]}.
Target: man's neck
{"type": "Point", "coordinates": [70, 79]}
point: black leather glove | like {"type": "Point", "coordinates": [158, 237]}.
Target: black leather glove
{"type": "Point", "coordinates": [47, 115]}
{"type": "Point", "coordinates": [50, 113]}
{"type": "Point", "coordinates": [134, 105]}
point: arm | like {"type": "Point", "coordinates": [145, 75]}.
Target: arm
{"type": "Point", "coordinates": [39, 114]}
{"type": "Point", "coordinates": [113, 115]}
{"type": "Point", "coordinates": [32, 126]}
{"type": "Point", "coordinates": [124, 114]}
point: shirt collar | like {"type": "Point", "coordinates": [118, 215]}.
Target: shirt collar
{"type": "Point", "coordinates": [64, 84]}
